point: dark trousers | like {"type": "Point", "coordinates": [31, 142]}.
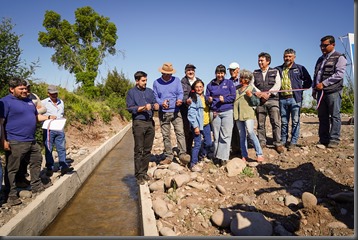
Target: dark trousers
{"type": "Point", "coordinates": [143, 133]}
{"type": "Point", "coordinates": [19, 152]}
{"type": "Point", "coordinates": [189, 137]}
{"type": "Point", "coordinates": [235, 140]}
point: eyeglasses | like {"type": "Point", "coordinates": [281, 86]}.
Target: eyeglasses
{"type": "Point", "coordinates": [324, 45]}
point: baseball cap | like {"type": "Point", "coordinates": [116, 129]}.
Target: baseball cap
{"type": "Point", "coordinates": [52, 89]}
{"type": "Point", "coordinates": [189, 65]}
{"type": "Point", "coordinates": [234, 65]}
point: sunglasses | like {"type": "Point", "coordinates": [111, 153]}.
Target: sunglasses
{"type": "Point", "coordinates": [324, 45]}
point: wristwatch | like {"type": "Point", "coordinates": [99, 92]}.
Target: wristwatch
{"type": "Point", "coordinates": [48, 117]}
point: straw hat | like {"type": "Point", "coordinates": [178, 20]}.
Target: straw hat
{"type": "Point", "coordinates": [167, 68]}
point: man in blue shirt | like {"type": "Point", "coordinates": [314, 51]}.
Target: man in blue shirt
{"type": "Point", "coordinates": [18, 118]}
{"type": "Point", "coordinates": [141, 103]}
{"type": "Point", "coordinates": [55, 107]}
{"type": "Point", "coordinates": [168, 92]}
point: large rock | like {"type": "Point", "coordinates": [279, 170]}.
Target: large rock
{"type": "Point", "coordinates": [222, 217]}
{"type": "Point", "coordinates": [235, 166]}
{"type": "Point", "coordinates": [160, 207]}
{"type": "Point", "coordinates": [309, 200]}
{"type": "Point", "coordinates": [250, 224]}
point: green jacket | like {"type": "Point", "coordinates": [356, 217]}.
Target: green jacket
{"type": "Point", "coordinates": [244, 105]}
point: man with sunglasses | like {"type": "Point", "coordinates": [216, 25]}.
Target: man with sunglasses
{"type": "Point", "coordinates": [327, 90]}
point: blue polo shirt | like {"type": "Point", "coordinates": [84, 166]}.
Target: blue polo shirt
{"type": "Point", "coordinates": [20, 118]}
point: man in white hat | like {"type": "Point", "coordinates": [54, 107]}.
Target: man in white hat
{"type": "Point", "coordinates": [168, 92]}
{"type": "Point", "coordinates": [234, 69]}
{"type": "Point", "coordinates": [55, 107]}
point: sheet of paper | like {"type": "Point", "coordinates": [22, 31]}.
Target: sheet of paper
{"type": "Point", "coordinates": [54, 124]}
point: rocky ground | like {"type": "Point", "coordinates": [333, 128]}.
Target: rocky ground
{"type": "Point", "coordinates": [307, 191]}
{"type": "Point", "coordinates": [216, 201]}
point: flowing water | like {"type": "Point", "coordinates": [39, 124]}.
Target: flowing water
{"type": "Point", "coordinates": [107, 203]}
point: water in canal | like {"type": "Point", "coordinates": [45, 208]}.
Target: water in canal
{"type": "Point", "coordinates": [107, 203]}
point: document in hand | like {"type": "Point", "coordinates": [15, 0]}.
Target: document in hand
{"type": "Point", "coordinates": [54, 124]}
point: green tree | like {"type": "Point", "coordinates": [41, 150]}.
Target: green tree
{"type": "Point", "coordinates": [117, 83]}
{"type": "Point", "coordinates": [11, 63]}
{"type": "Point", "coordinates": [80, 48]}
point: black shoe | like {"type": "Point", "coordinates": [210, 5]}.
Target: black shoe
{"type": "Point", "coordinates": [49, 172]}
{"type": "Point", "coordinates": [24, 183]}
{"type": "Point", "coordinates": [140, 181]}
{"type": "Point", "coordinates": [146, 177]}
{"type": "Point", "coordinates": [13, 201]}
{"type": "Point", "coordinates": [66, 170]}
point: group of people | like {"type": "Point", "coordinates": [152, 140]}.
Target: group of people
{"type": "Point", "coordinates": [217, 121]}
{"type": "Point", "coordinates": [20, 111]}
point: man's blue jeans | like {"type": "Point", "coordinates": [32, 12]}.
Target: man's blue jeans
{"type": "Point", "coordinates": [330, 117]}
{"type": "Point", "coordinates": [290, 108]}
{"type": "Point", "coordinates": [207, 142]}
{"type": "Point", "coordinates": [56, 138]}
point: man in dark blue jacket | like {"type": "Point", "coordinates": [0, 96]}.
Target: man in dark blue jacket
{"type": "Point", "coordinates": [141, 103]}
{"type": "Point", "coordinates": [293, 76]}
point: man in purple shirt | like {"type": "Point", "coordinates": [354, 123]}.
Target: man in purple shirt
{"type": "Point", "coordinates": [18, 118]}
{"type": "Point", "coordinates": [168, 92]}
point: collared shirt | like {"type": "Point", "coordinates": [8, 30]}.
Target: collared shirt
{"type": "Point", "coordinates": [57, 109]}
{"type": "Point", "coordinates": [338, 75]}
{"type": "Point", "coordinates": [136, 98]}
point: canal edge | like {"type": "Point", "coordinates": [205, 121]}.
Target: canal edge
{"type": "Point", "coordinates": [36, 216]}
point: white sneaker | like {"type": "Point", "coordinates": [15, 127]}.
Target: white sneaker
{"type": "Point", "coordinates": [196, 168]}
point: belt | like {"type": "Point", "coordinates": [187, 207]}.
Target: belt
{"type": "Point", "coordinates": [286, 96]}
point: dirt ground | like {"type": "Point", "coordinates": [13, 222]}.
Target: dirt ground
{"type": "Point", "coordinates": [264, 187]}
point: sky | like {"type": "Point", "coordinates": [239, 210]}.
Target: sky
{"type": "Point", "coordinates": [200, 32]}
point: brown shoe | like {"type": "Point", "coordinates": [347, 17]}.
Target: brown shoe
{"type": "Point", "coordinates": [165, 161]}
{"type": "Point", "coordinates": [280, 149]}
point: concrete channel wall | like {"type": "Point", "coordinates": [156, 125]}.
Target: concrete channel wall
{"type": "Point", "coordinates": [34, 218]}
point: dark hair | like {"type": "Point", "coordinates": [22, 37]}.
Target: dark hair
{"type": "Point", "coordinates": [220, 68]}
{"type": "Point", "coordinates": [289, 51]}
{"type": "Point", "coordinates": [265, 55]}
{"type": "Point", "coordinates": [328, 37]}
{"type": "Point", "coordinates": [139, 74]}
{"type": "Point", "coordinates": [192, 93]}
{"type": "Point", "coordinates": [17, 81]}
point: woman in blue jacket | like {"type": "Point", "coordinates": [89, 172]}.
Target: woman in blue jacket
{"type": "Point", "coordinates": [199, 119]}
{"type": "Point", "coordinates": [220, 93]}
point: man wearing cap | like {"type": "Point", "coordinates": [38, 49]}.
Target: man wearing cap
{"type": "Point", "coordinates": [186, 83]}
{"type": "Point", "coordinates": [18, 118]}
{"type": "Point", "coordinates": [234, 69]}
{"type": "Point", "coordinates": [168, 92]}
{"type": "Point", "coordinates": [55, 107]}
